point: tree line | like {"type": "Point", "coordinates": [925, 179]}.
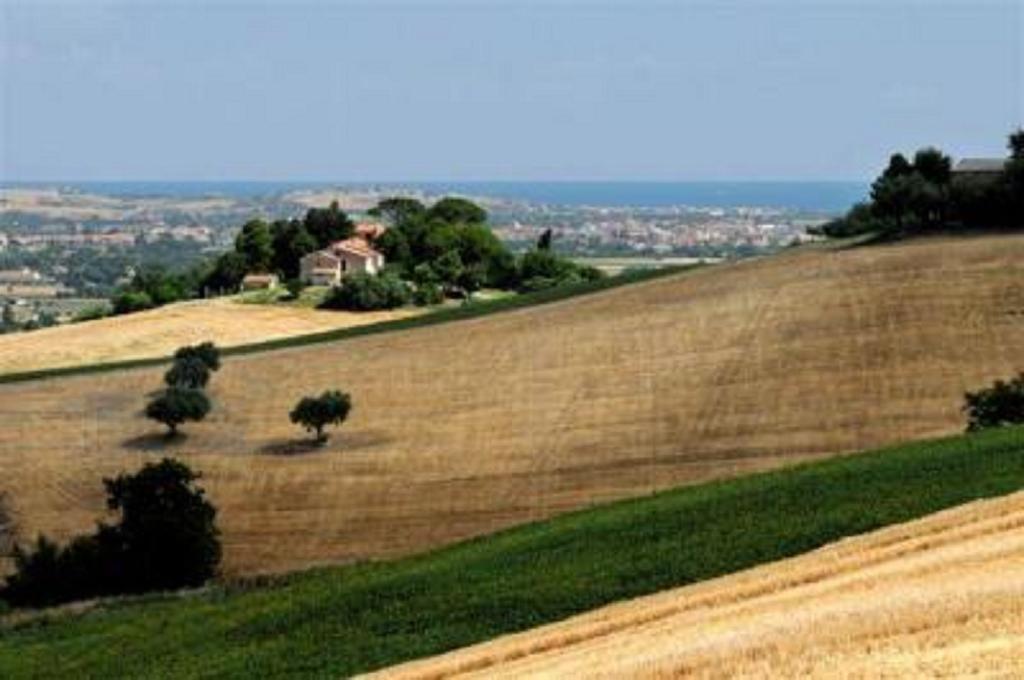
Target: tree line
{"type": "Point", "coordinates": [433, 252]}
{"type": "Point", "coordinates": [923, 195]}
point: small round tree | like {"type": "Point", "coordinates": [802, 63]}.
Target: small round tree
{"type": "Point", "coordinates": [189, 372]}
{"type": "Point", "coordinates": [175, 405]}
{"type": "Point", "coordinates": [315, 413]}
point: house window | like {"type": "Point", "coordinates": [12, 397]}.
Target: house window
{"type": "Point", "coordinates": [344, 265]}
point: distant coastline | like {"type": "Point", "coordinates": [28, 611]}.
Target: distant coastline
{"type": "Point", "coordinates": [822, 196]}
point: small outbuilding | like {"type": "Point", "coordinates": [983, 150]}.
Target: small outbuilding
{"type": "Point", "coordinates": [260, 282]}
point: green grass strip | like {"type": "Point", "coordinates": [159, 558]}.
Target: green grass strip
{"type": "Point", "coordinates": [338, 621]}
{"type": "Point", "coordinates": [446, 315]}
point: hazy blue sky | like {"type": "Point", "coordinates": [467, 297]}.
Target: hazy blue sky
{"type": "Point", "coordinates": [486, 90]}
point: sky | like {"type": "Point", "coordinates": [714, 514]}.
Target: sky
{"type": "Point", "coordinates": [370, 91]}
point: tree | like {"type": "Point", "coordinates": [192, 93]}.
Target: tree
{"type": "Point", "coordinates": [397, 210]}
{"type": "Point", "coordinates": [455, 210]}
{"type": "Point", "coordinates": [898, 167]}
{"type": "Point", "coordinates": [327, 225]}
{"type": "Point", "coordinates": [291, 241]}
{"type": "Point", "coordinates": [255, 245]}
{"type": "Point", "coordinates": [207, 352]}
{"type": "Point", "coordinates": [132, 301]}
{"type": "Point", "coordinates": [1001, 404]}
{"type": "Point", "coordinates": [471, 279]}
{"type": "Point", "coordinates": [1016, 144]}
{"type": "Point", "coordinates": [228, 272]}
{"type": "Point", "coordinates": [176, 405]}
{"type": "Point", "coordinates": [188, 372]}
{"type": "Point", "coordinates": [314, 413]}
{"type": "Point", "coordinates": [167, 534]}
{"type": "Point", "coordinates": [544, 242]}
{"type": "Point", "coordinates": [933, 165]}
{"type": "Point", "coordinates": [166, 538]}
{"type": "Point", "coordinates": [448, 268]}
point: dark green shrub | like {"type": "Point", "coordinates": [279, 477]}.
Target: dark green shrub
{"type": "Point", "coordinates": [428, 294]}
{"type": "Point", "coordinates": [166, 539]}
{"type": "Point", "coordinates": [132, 301]}
{"type": "Point", "coordinates": [295, 288]}
{"type": "Point", "coordinates": [365, 292]}
{"type": "Point", "coordinates": [1002, 404]}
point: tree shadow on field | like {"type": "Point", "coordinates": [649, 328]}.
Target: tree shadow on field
{"type": "Point", "coordinates": [337, 442]}
{"type": "Point", "coordinates": [155, 441]}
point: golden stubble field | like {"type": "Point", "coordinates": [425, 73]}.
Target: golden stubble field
{"type": "Point", "coordinates": [158, 332]}
{"type": "Point", "coordinates": [938, 597]}
{"type": "Point", "coordinates": [465, 428]}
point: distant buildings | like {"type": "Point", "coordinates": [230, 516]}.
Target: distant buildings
{"type": "Point", "coordinates": [26, 283]}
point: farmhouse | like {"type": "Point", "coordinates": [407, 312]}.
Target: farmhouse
{"type": "Point", "coordinates": [327, 267]}
{"type": "Point", "coordinates": [979, 167]}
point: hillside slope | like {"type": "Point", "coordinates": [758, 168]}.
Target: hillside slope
{"type": "Point", "coordinates": [337, 621]}
{"type": "Point", "coordinates": [464, 428]}
{"type": "Point", "coordinates": [158, 332]}
{"type": "Point", "coordinates": [938, 597]}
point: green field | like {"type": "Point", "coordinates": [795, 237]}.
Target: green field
{"type": "Point", "coordinates": [338, 621]}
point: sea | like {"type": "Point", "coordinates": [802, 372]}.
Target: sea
{"type": "Point", "coordinates": [822, 196]}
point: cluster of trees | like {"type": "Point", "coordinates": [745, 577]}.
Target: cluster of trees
{"type": "Point", "coordinates": [448, 250]}
{"type": "Point", "coordinates": [184, 397]}
{"type": "Point", "coordinates": [277, 247]}
{"type": "Point", "coordinates": [996, 406]}
{"type": "Point", "coordinates": [165, 538]}
{"type": "Point", "coordinates": [922, 195]}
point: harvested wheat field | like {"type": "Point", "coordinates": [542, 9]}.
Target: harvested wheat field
{"type": "Point", "coordinates": [464, 428]}
{"type": "Point", "coordinates": [938, 597]}
{"type": "Point", "coordinates": [158, 332]}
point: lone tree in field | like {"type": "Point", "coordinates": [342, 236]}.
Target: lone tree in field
{"type": "Point", "coordinates": [315, 413]}
{"type": "Point", "coordinates": [175, 405]}
{"type": "Point", "coordinates": [1001, 404]}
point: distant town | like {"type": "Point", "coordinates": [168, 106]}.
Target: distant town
{"type": "Point", "coordinates": [64, 251]}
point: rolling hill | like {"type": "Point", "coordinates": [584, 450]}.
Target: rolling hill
{"type": "Point", "coordinates": [464, 428]}
{"type": "Point", "coordinates": [158, 332]}
{"type": "Point", "coordinates": [341, 620]}
{"type": "Point", "coordinates": [938, 597]}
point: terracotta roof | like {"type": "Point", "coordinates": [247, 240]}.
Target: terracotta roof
{"type": "Point", "coordinates": [354, 246]}
{"type": "Point", "coordinates": [369, 230]}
